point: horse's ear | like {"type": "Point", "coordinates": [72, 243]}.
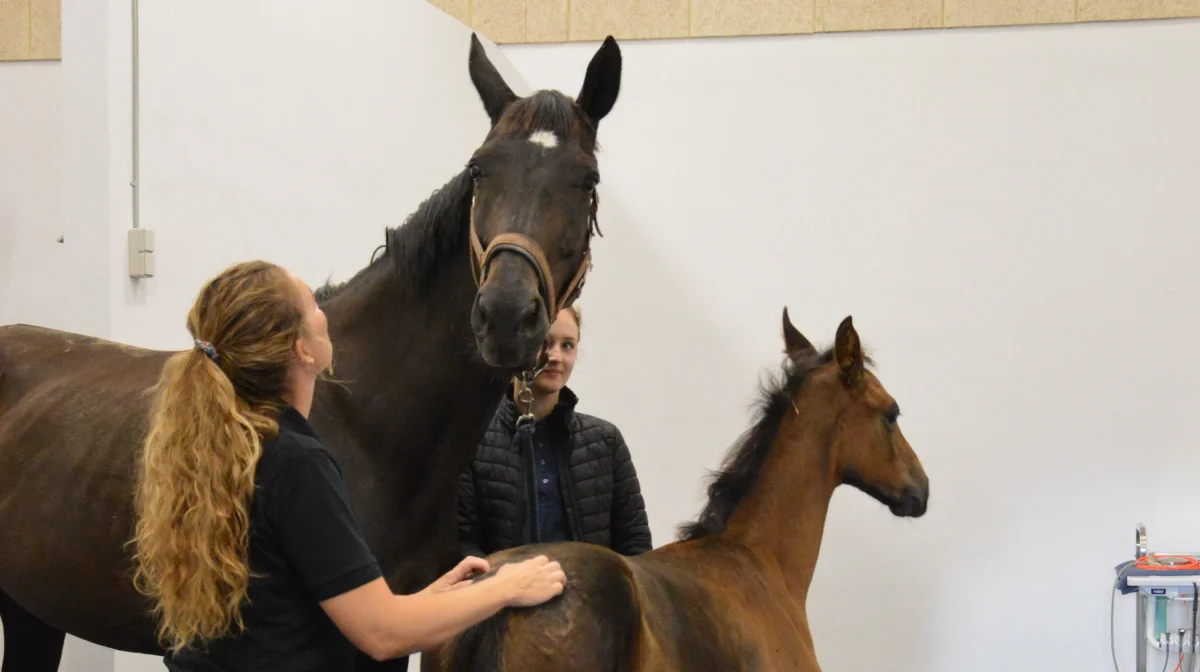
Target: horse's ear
{"type": "Point", "coordinates": [602, 82]}
{"type": "Point", "coordinates": [492, 89]}
{"type": "Point", "coordinates": [848, 352]}
{"type": "Point", "coordinates": [795, 344]}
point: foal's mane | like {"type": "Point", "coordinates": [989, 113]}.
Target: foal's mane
{"type": "Point", "coordinates": [744, 461]}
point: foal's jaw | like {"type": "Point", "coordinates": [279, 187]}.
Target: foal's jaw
{"type": "Point", "coordinates": [910, 501]}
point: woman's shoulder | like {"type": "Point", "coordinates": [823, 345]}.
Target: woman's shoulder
{"type": "Point", "coordinates": [594, 424]}
{"type": "Point", "coordinates": [291, 449]}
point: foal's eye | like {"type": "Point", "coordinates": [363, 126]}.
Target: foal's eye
{"type": "Point", "coordinates": [893, 414]}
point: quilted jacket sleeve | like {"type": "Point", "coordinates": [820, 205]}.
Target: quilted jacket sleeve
{"type": "Point", "coordinates": [468, 515]}
{"type": "Point", "coordinates": [630, 527]}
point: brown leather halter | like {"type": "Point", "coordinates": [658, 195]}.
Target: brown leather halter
{"type": "Point", "coordinates": [532, 252]}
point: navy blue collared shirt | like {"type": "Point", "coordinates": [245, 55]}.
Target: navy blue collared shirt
{"type": "Point", "coordinates": [550, 438]}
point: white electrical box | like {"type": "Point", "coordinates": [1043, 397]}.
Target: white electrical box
{"type": "Point", "coordinates": [141, 253]}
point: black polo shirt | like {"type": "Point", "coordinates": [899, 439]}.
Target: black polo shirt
{"type": "Point", "coordinates": [305, 547]}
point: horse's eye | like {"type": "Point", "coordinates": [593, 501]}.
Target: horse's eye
{"type": "Point", "coordinates": [590, 182]}
{"type": "Point", "coordinates": [476, 173]}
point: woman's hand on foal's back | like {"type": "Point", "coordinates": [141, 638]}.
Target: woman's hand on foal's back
{"type": "Point", "coordinates": [384, 625]}
{"type": "Point", "coordinates": [533, 581]}
{"type": "Point", "coordinates": [461, 575]}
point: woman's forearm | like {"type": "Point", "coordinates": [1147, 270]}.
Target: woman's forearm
{"type": "Point", "coordinates": [426, 619]}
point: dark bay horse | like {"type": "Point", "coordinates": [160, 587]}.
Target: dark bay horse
{"type": "Point", "coordinates": [427, 336]}
{"type": "Point", "coordinates": [730, 595]}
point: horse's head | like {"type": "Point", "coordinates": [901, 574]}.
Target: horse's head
{"type": "Point", "coordinates": [867, 448]}
{"type": "Point", "coordinates": [534, 206]}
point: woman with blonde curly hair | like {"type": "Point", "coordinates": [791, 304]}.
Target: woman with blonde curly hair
{"type": "Point", "coordinates": [246, 541]}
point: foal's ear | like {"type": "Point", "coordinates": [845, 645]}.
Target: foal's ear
{"type": "Point", "coordinates": [492, 89]}
{"type": "Point", "coordinates": [848, 352]}
{"type": "Point", "coordinates": [795, 344]}
{"type": "Point", "coordinates": [602, 82]}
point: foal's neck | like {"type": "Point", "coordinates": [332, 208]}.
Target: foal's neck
{"type": "Point", "coordinates": [783, 517]}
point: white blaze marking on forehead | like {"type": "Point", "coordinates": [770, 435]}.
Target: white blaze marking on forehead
{"type": "Point", "coordinates": [546, 139]}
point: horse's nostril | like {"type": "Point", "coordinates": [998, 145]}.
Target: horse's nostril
{"type": "Point", "coordinates": [532, 312]}
{"type": "Point", "coordinates": [485, 307]}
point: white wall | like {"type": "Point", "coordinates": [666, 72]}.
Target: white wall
{"type": "Point", "coordinates": [30, 186]}
{"type": "Point", "coordinates": [53, 163]}
{"type": "Point", "coordinates": [291, 132]}
{"type": "Point", "coordinates": [54, 174]}
{"type": "Point", "coordinates": [1010, 216]}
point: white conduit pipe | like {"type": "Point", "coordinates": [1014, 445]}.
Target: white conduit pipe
{"type": "Point", "coordinates": [135, 172]}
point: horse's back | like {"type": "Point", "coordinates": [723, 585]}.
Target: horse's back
{"type": "Point", "coordinates": [69, 393]}
{"type": "Point", "coordinates": [593, 625]}
{"type": "Point", "coordinates": [73, 409]}
{"type": "Point", "coordinates": [36, 356]}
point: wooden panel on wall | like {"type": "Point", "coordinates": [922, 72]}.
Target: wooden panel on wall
{"type": "Point", "coordinates": [547, 20]}
{"type": "Point", "coordinates": [30, 30]}
{"type": "Point", "coordinates": [1007, 12]}
{"type": "Point", "coordinates": [45, 22]}
{"type": "Point", "coordinates": [628, 19]}
{"type": "Point", "coordinates": [459, 9]}
{"type": "Point", "coordinates": [14, 30]}
{"type": "Point", "coordinates": [712, 18]}
{"type": "Point", "coordinates": [843, 15]}
{"type": "Point", "coordinates": [499, 20]}
{"type": "Point", "coordinates": [508, 21]}
{"type": "Point", "coordinates": [1121, 10]}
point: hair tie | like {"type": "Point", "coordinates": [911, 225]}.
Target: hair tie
{"type": "Point", "coordinates": [207, 348]}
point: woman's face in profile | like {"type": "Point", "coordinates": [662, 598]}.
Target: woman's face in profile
{"type": "Point", "coordinates": [561, 345]}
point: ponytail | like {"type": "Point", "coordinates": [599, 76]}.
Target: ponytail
{"type": "Point", "coordinates": [214, 407]}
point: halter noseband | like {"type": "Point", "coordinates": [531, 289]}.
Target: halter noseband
{"type": "Point", "coordinates": [528, 249]}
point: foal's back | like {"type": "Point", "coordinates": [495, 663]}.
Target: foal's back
{"type": "Point", "coordinates": [592, 626]}
{"type": "Point", "coordinates": [710, 604]}
{"type": "Point", "coordinates": [700, 606]}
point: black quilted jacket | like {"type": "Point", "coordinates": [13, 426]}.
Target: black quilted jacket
{"type": "Point", "coordinates": [600, 486]}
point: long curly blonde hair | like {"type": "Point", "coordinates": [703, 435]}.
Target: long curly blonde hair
{"type": "Point", "coordinates": [212, 412]}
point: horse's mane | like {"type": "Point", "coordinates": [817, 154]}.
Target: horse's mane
{"type": "Point", "coordinates": [416, 249]}
{"type": "Point", "coordinates": [744, 462]}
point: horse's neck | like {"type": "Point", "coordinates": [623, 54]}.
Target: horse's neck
{"type": "Point", "coordinates": [783, 517]}
{"type": "Point", "coordinates": [409, 357]}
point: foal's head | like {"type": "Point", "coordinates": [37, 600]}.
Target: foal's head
{"type": "Point", "coordinates": [858, 420]}
{"type": "Point", "coordinates": [534, 204]}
